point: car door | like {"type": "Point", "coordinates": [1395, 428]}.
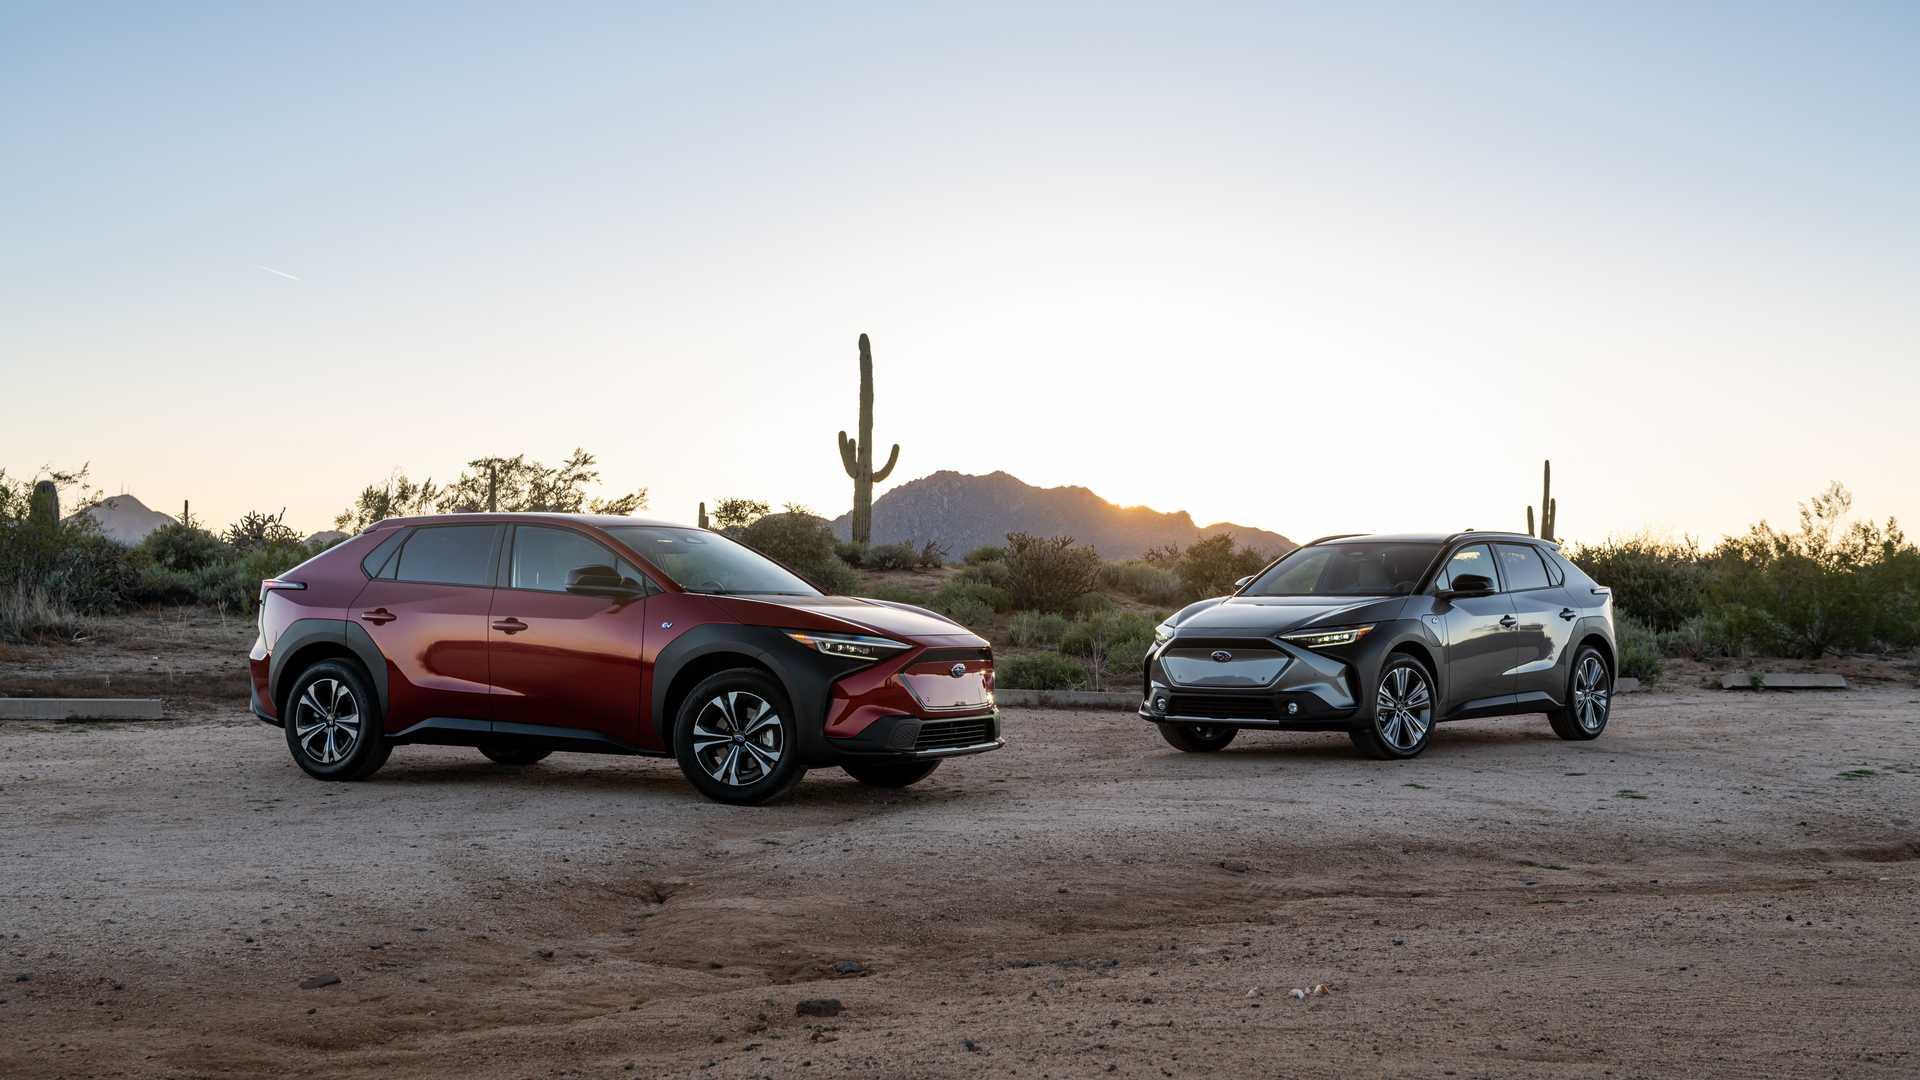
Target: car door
{"type": "Point", "coordinates": [426, 610]}
{"type": "Point", "coordinates": [1479, 635]}
{"type": "Point", "coordinates": [560, 659]}
{"type": "Point", "coordinates": [1545, 624]}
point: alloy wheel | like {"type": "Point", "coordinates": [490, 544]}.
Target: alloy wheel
{"type": "Point", "coordinates": [1592, 694]}
{"type": "Point", "coordinates": [738, 738]}
{"type": "Point", "coordinates": [1404, 706]}
{"type": "Point", "coordinates": [326, 721]}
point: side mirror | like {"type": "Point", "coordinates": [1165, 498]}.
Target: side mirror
{"type": "Point", "coordinates": [1242, 583]}
{"type": "Point", "coordinates": [1468, 585]}
{"type": "Point", "coordinates": [599, 581]}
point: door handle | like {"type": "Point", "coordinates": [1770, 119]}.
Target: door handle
{"type": "Point", "coordinates": [378, 616]}
{"type": "Point", "coordinates": [1509, 621]}
{"type": "Point", "coordinates": [509, 625]}
{"type": "Point", "coordinates": [1567, 613]}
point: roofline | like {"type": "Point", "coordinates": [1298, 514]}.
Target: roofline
{"type": "Point", "coordinates": [498, 517]}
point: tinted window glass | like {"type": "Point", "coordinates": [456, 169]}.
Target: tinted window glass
{"type": "Point", "coordinates": [449, 555]}
{"type": "Point", "coordinates": [1472, 559]}
{"type": "Point", "coordinates": [378, 557]}
{"type": "Point", "coordinates": [1522, 566]}
{"type": "Point", "coordinates": [1347, 569]}
{"type": "Point", "coordinates": [705, 562]}
{"type": "Point", "coordinates": [543, 557]}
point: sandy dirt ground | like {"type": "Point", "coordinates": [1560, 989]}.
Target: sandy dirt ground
{"type": "Point", "coordinates": [1723, 885]}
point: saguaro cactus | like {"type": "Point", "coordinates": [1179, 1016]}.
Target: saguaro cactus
{"type": "Point", "coordinates": [703, 515]}
{"type": "Point", "coordinates": [1549, 506]}
{"type": "Point", "coordinates": [857, 455]}
{"type": "Point", "coordinates": [43, 506]}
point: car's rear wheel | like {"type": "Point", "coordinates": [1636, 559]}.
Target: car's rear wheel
{"type": "Point", "coordinates": [1402, 721]}
{"type": "Point", "coordinates": [333, 722]}
{"type": "Point", "coordinates": [890, 774]}
{"type": "Point", "coordinates": [1198, 738]}
{"type": "Point", "coordinates": [736, 738]}
{"type": "Point", "coordinates": [514, 754]}
{"type": "Point", "coordinates": [1589, 698]}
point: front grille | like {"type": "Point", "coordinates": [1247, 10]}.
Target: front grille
{"type": "Point", "coordinates": [948, 734]}
{"type": "Point", "coordinates": [1223, 706]}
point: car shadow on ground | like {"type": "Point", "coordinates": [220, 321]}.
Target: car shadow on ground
{"type": "Point", "coordinates": [1450, 738]}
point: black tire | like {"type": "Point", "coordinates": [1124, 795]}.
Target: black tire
{"type": "Point", "coordinates": [1589, 697]}
{"type": "Point", "coordinates": [515, 754]}
{"type": "Point", "coordinates": [1400, 724]}
{"type": "Point", "coordinates": [890, 774]}
{"type": "Point", "coordinates": [1198, 738]}
{"type": "Point", "coordinates": [747, 777]}
{"type": "Point", "coordinates": [335, 729]}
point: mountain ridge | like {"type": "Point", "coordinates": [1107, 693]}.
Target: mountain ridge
{"type": "Point", "coordinates": [963, 511]}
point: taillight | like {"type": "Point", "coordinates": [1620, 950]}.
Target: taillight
{"type": "Point", "coordinates": [274, 584]}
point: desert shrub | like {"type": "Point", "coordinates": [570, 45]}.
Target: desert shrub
{"type": "Point", "coordinates": [1639, 650]}
{"type": "Point", "coordinates": [1046, 671]}
{"type": "Point", "coordinates": [986, 554]}
{"type": "Point", "coordinates": [1124, 659]}
{"type": "Point", "coordinates": [1703, 637]}
{"type": "Point", "coordinates": [92, 574]}
{"type": "Point", "coordinates": [969, 593]}
{"type": "Point", "coordinates": [234, 585]}
{"type": "Point", "coordinates": [1167, 555]}
{"type": "Point", "coordinates": [1049, 573]}
{"type": "Point", "coordinates": [181, 546]}
{"type": "Point", "coordinates": [1114, 644]}
{"type": "Point", "coordinates": [1820, 588]}
{"type": "Point", "coordinates": [902, 556]}
{"type": "Point", "coordinates": [36, 613]}
{"type": "Point", "coordinates": [1210, 567]}
{"type": "Point", "coordinates": [257, 530]}
{"type": "Point", "coordinates": [1660, 582]}
{"type": "Point", "coordinates": [1092, 603]}
{"type": "Point", "coordinates": [851, 552]}
{"type": "Point", "coordinates": [737, 513]}
{"type": "Point", "coordinates": [988, 573]}
{"type": "Point", "coordinates": [1152, 582]}
{"type": "Point", "coordinates": [898, 594]}
{"type": "Point", "coordinates": [933, 555]}
{"type": "Point", "coordinates": [968, 611]}
{"type": "Point", "coordinates": [801, 541]}
{"type": "Point", "coordinates": [1036, 628]}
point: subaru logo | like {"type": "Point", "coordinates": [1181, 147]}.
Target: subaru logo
{"type": "Point", "coordinates": [957, 670]}
{"type": "Point", "coordinates": [1221, 656]}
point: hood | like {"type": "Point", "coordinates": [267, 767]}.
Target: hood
{"type": "Point", "coordinates": [894, 620]}
{"type": "Point", "coordinates": [1279, 614]}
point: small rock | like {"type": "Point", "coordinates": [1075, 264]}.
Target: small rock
{"type": "Point", "coordinates": [818, 1007]}
{"type": "Point", "coordinates": [1399, 941]}
{"type": "Point", "coordinates": [971, 1046]}
{"type": "Point", "coordinates": [546, 954]}
{"type": "Point", "coordinates": [23, 977]}
{"type": "Point", "coordinates": [1297, 994]}
{"type": "Point", "coordinates": [1254, 993]}
{"type": "Point", "coordinates": [849, 967]}
{"type": "Point", "coordinates": [318, 981]}
{"type": "Point", "coordinates": [1234, 866]}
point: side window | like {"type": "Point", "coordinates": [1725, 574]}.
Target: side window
{"type": "Point", "coordinates": [1522, 566]}
{"type": "Point", "coordinates": [448, 555]}
{"type": "Point", "coordinates": [1472, 559]}
{"type": "Point", "coordinates": [543, 557]}
{"type": "Point", "coordinates": [381, 557]}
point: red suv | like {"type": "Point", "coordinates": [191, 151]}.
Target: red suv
{"type": "Point", "coordinates": [522, 634]}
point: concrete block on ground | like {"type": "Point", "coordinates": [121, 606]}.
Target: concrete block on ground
{"type": "Point", "coordinates": [1782, 680]}
{"type": "Point", "coordinates": [80, 709]}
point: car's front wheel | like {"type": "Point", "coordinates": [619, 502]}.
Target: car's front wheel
{"type": "Point", "coordinates": [333, 723]}
{"type": "Point", "coordinates": [1402, 711]}
{"type": "Point", "coordinates": [514, 754]}
{"type": "Point", "coordinates": [736, 738]}
{"type": "Point", "coordinates": [1589, 698]}
{"type": "Point", "coordinates": [890, 774]}
{"type": "Point", "coordinates": [1198, 738]}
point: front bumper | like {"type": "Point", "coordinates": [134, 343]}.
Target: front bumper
{"type": "Point", "coordinates": [922, 737]}
{"type": "Point", "coordinates": [1265, 683]}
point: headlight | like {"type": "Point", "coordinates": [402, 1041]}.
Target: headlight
{"type": "Point", "coordinates": [853, 646]}
{"type": "Point", "coordinates": [1324, 639]}
{"type": "Point", "coordinates": [1162, 632]}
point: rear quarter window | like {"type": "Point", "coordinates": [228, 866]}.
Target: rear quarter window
{"type": "Point", "coordinates": [448, 555]}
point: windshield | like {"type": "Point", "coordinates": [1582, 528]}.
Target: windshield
{"type": "Point", "coordinates": [708, 563]}
{"type": "Point", "coordinates": [1347, 569]}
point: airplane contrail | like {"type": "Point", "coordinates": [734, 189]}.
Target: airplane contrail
{"type": "Point", "coordinates": [282, 273]}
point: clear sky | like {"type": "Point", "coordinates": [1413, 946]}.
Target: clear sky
{"type": "Point", "coordinates": [1313, 268]}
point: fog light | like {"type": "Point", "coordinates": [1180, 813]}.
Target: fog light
{"type": "Point", "coordinates": [1160, 705]}
{"type": "Point", "coordinates": [1292, 707]}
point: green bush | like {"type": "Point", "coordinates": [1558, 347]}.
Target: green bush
{"type": "Point", "coordinates": [179, 546]}
{"type": "Point", "coordinates": [1047, 671]}
{"type": "Point", "coordinates": [932, 556]}
{"type": "Point", "coordinates": [1151, 582]}
{"type": "Point", "coordinates": [1036, 628]}
{"type": "Point", "coordinates": [967, 611]}
{"type": "Point", "coordinates": [988, 554]}
{"type": "Point", "coordinates": [1211, 566]}
{"type": "Point", "coordinates": [1660, 582]}
{"type": "Point", "coordinates": [92, 574]}
{"type": "Point", "coordinates": [803, 542]}
{"type": "Point", "coordinates": [1639, 650]}
{"type": "Point", "coordinates": [960, 592]}
{"type": "Point", "coordinates": [1049, 573]}
{"type": "Point", "coordinates": [851, 552]}
{"type": "Point", "coordinates": [1094, 635]}
{"type": "Point", "coordinates": [902, 556]}
{"type": "Point", "coordinates": [898, 594]}
{"type": "Point", "coordinates": [35, 613]}
{"type": "Point", "coordinates": [1703, 637]}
